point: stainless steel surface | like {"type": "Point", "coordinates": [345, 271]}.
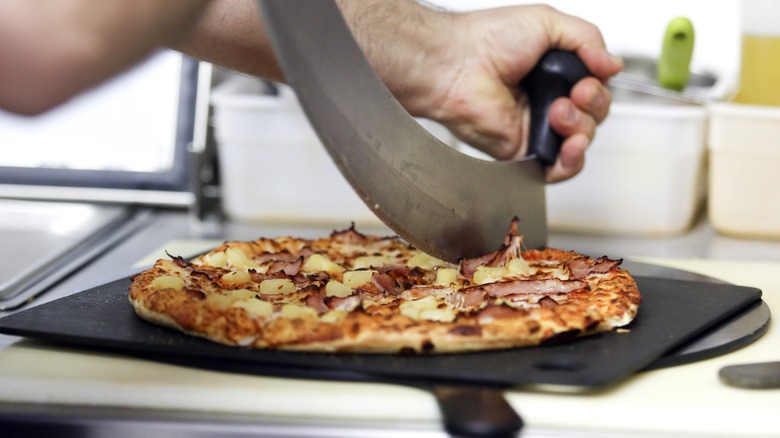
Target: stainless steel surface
{"type": "Point", "coordinates": [443, 202]}
{"type": "Point", "coordinates": [97, 194]}
{"type": "Point", "coordinates": [47, 241]}
{"type": "Point", "coordinates": [640, 76]}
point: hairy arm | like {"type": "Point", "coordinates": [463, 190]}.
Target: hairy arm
{"type": "Point", "coordinates": [231, 34]}
{"type": "Point", "coordinates": [54, 49]}
{"type": "Point", "coordinates": [461, 69]}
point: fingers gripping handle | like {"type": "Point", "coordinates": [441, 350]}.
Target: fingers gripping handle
{"type": "Point", "coordinates": [552, 77]}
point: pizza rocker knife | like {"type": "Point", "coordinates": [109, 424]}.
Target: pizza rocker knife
{"type": "Point", "coordinates": [440, 200]}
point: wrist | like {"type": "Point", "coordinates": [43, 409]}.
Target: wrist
{"type": "Point", "coordinates": [405, 42]}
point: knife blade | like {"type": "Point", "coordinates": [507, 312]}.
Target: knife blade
{"type": "Point", "coordinates": [443, 202]}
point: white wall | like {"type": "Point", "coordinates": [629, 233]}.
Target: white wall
{"type": "Point", "coordinates": [637, 27]}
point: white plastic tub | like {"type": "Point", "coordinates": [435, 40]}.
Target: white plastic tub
{"type": "Point", "coordinates": [744, 144]}
{"type": "Point", "coordinates": [644, 174]}
{"type": "Point", "coordinates": [272, 165]}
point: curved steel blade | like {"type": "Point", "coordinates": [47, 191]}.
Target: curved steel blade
{"type": "Point", "coordinates": [442, 201]}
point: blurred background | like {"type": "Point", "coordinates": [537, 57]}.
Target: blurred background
{"type": "Point", "coordinates": [636, 27]}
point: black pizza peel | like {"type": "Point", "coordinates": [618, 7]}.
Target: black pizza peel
{"type": "Point", "coordinates": [442, 201]}
{"type": "Point", "coordinates": [469, 387]}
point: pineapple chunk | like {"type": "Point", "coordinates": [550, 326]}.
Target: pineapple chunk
{"type": "Point", "coordinates": [217, 260]}
{"type": "Point", "coordinates": [320, 263]}
{"type": "Point", "coordinates": [371, 262]}
{"type": "Point", "coordinates": [445, 276]}
{"type": "Point", "coordinates": [427, 309]}
{"type": "Point", "coordinates": [441, 315]}
{"type": "Point", "coordinates": [256, 307]}
{"type": "Point", "coordinates": [489, 274]}
{"type": "Point", "coordinates": [168, 282]}
{"type": "Point", "coordinates": [242, 294]}
{"type": "Point", "coordinates": [218, 301]}
{"type": "Point", "coordinates": [275, 286]}
{"type": "Point", "coordinates": [513, 268]}
{"type": "Point", "coordinates": [353, 279]}
{"type": "Point", "coordinates": [237, 258]}
{"type": "Point", "coordinates": [294, 311]}
{"type": "Point", "coordinates": [334, 316]}
{"type": "Point", "coordinates": [412, 309]}
{"type": "Point", "coordinates": [335, 288]}
{"type": "Point", "coordinates": [425, 261]}
{"type": "Point", "coordinates": [237, 277]}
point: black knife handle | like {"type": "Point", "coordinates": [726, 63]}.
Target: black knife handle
{"type": "Point", "coordinates": [476, 412]}
{"type": "Point", "coordinates": [552, 77]}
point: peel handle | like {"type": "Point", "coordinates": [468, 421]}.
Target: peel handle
{"type": "Point", "coordinates": [552, 77]}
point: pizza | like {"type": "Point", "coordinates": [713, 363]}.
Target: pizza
{"type": "Point", "coordinates": [357, 293]}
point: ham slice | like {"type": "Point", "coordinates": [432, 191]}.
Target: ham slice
{"type": "Point", "coordinates": [582, 267]}
{"type": "Point", "coordinates": [546, 286]}
{"type": "Point", "coordinates": [346, 304]}
{"type": "Point", "coordinates": [510, 249]}
{"type": "Point", "coordinates": [467, 299]}
{"type": "Point", "coordinates": [419, 292]}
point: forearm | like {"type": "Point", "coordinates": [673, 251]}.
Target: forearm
{"type": "Point", "coordinates": [232, 34]}
{"type": "Point", "coordinates": [399, 38]}
{"type": "Point", "coordinates": [54, 49]}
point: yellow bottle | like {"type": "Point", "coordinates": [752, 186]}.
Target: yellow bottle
{"type": "Point", "coordinates": [759, 82]}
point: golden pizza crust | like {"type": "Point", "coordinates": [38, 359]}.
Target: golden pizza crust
{"type": "Point", "coordinates": [305, 295]}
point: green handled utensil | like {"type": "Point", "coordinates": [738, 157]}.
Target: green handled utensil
{"type": "Point", "coordinates": [676, 52]}
{"type": "Point", "coordinates": [670, 76]}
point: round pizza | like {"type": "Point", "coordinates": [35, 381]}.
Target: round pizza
{"type": "Point", "coordinates": [351, 292]}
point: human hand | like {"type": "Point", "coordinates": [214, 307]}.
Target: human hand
{"type": "Point", "coordinates": [464, 70]}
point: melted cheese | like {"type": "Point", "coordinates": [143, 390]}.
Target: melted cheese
{"type": "Point", "coordinates": [428, 309]}
{"type": "Point", "coordinates": [520, 268]}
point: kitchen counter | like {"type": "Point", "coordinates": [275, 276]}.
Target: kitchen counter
{"type": "Point", "coordinates": [115, 393]}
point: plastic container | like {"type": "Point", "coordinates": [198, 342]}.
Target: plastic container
{"type": "Point", "coordinates": [273, 167]}
{"type": "Point", "coordinates": [760, 53]}
{"type": "Point", "coordinates": [644, 174]}
{"type": "Point", "coordinates": [744, 158]}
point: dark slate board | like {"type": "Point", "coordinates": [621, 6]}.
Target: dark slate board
{"type": "Point", "coordinates": [672, 312]}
